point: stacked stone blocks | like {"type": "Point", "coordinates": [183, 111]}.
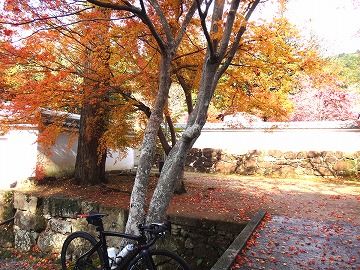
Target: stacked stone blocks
{"type": "Point", "coordinates": [45, 223]}
{"type": "Point", "coordinates": [275, 163]}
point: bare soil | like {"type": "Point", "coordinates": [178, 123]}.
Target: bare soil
{"type": "Point", "coordinates": [229, 197]}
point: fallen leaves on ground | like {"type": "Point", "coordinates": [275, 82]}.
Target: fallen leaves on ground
{"type": "Point", "coordinates": [242, 259]}
{"type": "Point", "coordinates": [229, 197]}
{"type": "Point", "coordinates": [301, 243]}
{"type": "Point", "coordinates": [237, 198]}
{"type": "Point", "coordinates": [11, 258]}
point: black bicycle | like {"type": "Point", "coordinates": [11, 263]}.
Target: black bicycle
{"type": "Point", "coordinates": [82, 251]}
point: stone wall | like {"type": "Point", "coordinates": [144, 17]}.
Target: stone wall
{"type": "Point", "coordinates": [46, 222]}
{"type": "Point", "coordinates": [275, 163]}
{"type": "Point", "coordinates": [6, 212]}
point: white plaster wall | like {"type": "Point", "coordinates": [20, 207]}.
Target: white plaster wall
{"type": "Point", "coordinates": [18, 154]}
{"type": "Point", "coordinates": [63, 157]}
{"type": "Point", "coordinates": [116, 161]}
{"type": "Point", "coordinates": [241, 141]}
{"type": "Point", "coordinates": [19, 151]}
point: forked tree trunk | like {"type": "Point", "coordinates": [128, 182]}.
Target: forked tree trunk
{"type": "Point", "coordinates": [216, 52]}
{"type": "Point", "coordinates": [139, 192]}
{"type": "Point", "coordinates": [211, 73]}
{"type": "Point", "coordinates": [169, 178]}
{"type": "Point", "coordinates": [175, 162]}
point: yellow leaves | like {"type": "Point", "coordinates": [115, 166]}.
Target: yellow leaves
{"type": "Point", "coordinates": [4, 126]}
{"type": "Point", "coordinates": [217, 29]}
{"type": "Point", "coordinates": [195, 22]}
{"type": "Point", "coordinates": [266, 67]}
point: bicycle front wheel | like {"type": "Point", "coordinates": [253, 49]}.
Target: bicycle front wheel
{"type": "Point", "coordinates": [158, 260]}
{"type": "Point", "coordinates": [78, 252]}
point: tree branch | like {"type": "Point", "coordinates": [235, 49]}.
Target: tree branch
{"type": "Point", "coordinates": [147, 111]}
{"type": "Point", "coordinates": [236, 43]}
{"type": "Point", "coordinates": [203, 16]}
{"type": "Point", "coordinates": [163, 20]}
{"type": "Point", "coordinates": [186, 22]}
{"type": "Point", "coordinates": [45, 18]}
{"type": "Point", "coordinates": [139, 12]}
{"type": "Point", "coordinates": [230, 20]}
{"type": "Point", "coordinates": [187, 91]}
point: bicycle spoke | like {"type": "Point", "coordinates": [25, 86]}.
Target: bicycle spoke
{"type": "Point", "coordinates": [159, 260]}
{"type": "Point", "coordinates": [81, 251]}
{"type": "Point", "coordinates": [78, 253]}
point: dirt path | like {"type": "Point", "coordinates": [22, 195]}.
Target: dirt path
{"type": "Point", "coordinates": [239, 198]}
{"type": "Point", "coordinates": [230, 197]}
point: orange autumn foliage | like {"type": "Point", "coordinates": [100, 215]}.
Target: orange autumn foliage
{"type": "Point", "coordinates": [80, 54]}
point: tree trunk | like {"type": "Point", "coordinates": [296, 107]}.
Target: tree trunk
{"type": "Point", "coordinates": [139, 192]}
{"type": "Point", "coordinates": [90, 165]}
{"type": "Point", "coordinates": [180, 186]}
{"type": "Point", "coordinates": [174, 165]}
{"type": "Point", "coordinates": [91, 155]}
{"type": "Point", "coordinates": [169, 178]}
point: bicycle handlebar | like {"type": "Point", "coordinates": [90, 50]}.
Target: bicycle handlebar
{"type": "Point", "coordinates": [156, 228]}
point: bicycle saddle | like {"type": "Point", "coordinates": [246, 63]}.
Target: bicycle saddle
{"type": "Point", "coordinates": [94, 218]}
{"type": "Point", "coordinates": [93, 215]}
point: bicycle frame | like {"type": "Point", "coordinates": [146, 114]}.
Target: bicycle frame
{"type": "Point", "coordinates": [142, 246]}
{"type": "Point", "coordinates": [140, 239]}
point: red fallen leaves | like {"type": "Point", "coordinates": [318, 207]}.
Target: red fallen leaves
{"type": "Point", "coordinates": [273, 259]}
{"type": "Point", "coordinates": [241, 259]}
{"type": "Point", "coordinates": [32, 260]}
{"type": "Point", "coordinates": [216, 201]}
{"type": "Point", "coordinates": [230, 197]}
{"type": "Point", "coordinates": [330, 254]}
{"type": "Point", "coordinates": [240, 197]}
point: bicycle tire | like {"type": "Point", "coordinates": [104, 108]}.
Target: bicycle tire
{"type": "Point", "coordinates": [76, 245]}
{"type": "Point", "coordinates": [160, 260]}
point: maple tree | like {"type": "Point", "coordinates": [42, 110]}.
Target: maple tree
{"type": "Point", "coordinates": [70, 75]}
{"type": "Point", "coordinates": [96, 94]}
{"type": "Point", "coordinates": [221, 48]}
{"type": "Point", "coordinates": [263, 71]}
{"type": "Point", "coordinates": [269, 60]}
{"type": "Point", "coordinates": [85, 71]}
